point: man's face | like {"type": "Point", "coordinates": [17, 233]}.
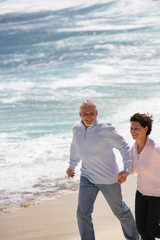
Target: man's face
{"type": "Point", "coordinates": [88, 115]}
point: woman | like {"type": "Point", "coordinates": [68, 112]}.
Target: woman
{"type": "Point", "coordinates": [146, 162]}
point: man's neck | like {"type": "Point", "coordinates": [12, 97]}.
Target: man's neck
{"type": "Point", "coordinates": [86, 126]}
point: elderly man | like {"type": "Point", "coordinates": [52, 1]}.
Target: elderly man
{"type": "Point", "coordinates": [93, 143]}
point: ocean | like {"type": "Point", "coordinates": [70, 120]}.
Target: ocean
{"type": "Point", "coordinates": [54, 55]}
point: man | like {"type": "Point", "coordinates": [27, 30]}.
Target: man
{"type": "Point", "coordinates": [93, 143]}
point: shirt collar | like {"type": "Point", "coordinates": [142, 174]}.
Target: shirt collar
{"type": "Point", "coordinates": [147, 142]}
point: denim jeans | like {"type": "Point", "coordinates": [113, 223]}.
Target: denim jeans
{"type": "Point", "coordinates": [112, 193]}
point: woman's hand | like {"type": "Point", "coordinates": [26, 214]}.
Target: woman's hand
{"type": "Point", "coordinates": [122, 176]}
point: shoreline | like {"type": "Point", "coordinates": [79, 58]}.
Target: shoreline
{"type": "Point", "coordinates": [56, 219]}
{"type": "Point", "coordinates": [57, 187]}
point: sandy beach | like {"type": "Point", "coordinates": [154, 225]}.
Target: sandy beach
{"type": "Point", "coordinates": [56, 219]}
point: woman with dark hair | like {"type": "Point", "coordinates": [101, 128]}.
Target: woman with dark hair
{"type": "Point", "coordinates": [146, 163]}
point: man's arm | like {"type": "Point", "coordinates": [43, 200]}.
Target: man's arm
{"type": "Point", "coordinates": [74, 159]}
{"type": "Point", "coordinates": [119, 143]}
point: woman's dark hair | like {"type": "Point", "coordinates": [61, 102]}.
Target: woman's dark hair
{"type": "Point", "coordinates": [145, 120]}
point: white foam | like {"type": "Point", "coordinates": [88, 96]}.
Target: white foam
{"type": "Point", "coordinates": [41, 5]}
{"type": "Point", "coordinates": [32, 159]}
{"type": "Point", "coordinates": [122, 118]}
{"type": "Point", "coordinates": [22, 85]}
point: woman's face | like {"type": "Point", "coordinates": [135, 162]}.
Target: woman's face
{"type": "Point", "coordinates": [137, 131]}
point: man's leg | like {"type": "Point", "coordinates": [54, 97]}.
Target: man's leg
{"type": "Point", "coordinates": [112, 193]}
{"type": "Point", "coordinates": [87, 195]}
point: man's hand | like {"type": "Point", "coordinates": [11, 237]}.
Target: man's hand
{"type": "Point", "coordinates": [70, 173]}
{"type": "Point", "coordinates": [122, 176]}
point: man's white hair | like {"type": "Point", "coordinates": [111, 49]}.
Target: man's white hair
{"type": "Point", "coordinates": [87, 103]}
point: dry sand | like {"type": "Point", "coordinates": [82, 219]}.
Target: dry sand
{"type": "Point", "coordinates": [56, 219]}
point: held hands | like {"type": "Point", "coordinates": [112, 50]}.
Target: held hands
{"type": "Point", "coordinates": [122, 176]}
{"type": "Point", "coordinates": [70, 173]}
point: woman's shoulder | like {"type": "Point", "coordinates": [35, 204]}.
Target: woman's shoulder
{"type": "Point", "coordinates": [154, 145]}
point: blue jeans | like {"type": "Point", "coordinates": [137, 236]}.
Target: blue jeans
{"type": "Point", "coordinates": [112, 193]}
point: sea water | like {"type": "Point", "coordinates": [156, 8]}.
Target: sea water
{"type": "Point", "coordinates": [55, 54]}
